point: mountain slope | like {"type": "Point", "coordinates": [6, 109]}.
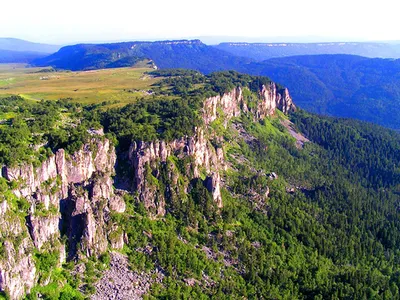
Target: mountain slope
{"type": "Point", "coordinates": [340, 85]}
{"type": "Point", "coordinates": [263, 51]}
{"type": "Point", "coordinates": [7, 56]}
{"type": "Point", "coordinates": [215, 198]}
{"type": "Point", "coordinates": [13, 44]}
{"type": "Point", "coordinates": [166, 54]}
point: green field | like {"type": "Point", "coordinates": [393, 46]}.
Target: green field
{"type": "Point", "coordinates": [124, 85]}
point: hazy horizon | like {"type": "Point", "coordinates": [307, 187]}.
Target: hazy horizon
{"type": "Point", "coordinates": [213, 40]}
{"type": "Point", "coordinates": [285, 21]}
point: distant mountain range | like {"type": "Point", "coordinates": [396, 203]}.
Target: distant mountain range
{"type": "Point", "coordinates": [7, 56]}
{"type": "Point", "coordinates": [20, 51]}
{"type": "Point", "coordinates": [186, 54]}
{"type": "Point", "coordinates": [263, 51]}
{"type": "Point", "coordinates": [193, 54]}
{"type": "Point", "coordinates": [339, 85]}
{"type": "Point", "coordinates": [12, 44]}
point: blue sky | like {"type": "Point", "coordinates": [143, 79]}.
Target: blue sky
{"type": "Point", "coordinates": [71, 21]}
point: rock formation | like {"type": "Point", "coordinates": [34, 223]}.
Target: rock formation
{"type": "Point", "coordinates": [233, 103]}
{"type": "Point", "coordinates": [146, 157]}
{"type": "Point", "coordinates": [72, 195]}
{"type": "Point", "coordinates": [67, 194]}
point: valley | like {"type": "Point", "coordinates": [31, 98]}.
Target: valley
{"type": "Point", "coordinates": [117, 86]}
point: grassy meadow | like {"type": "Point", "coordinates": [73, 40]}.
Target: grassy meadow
{"type": "Point", "coordinates": [122, 85]}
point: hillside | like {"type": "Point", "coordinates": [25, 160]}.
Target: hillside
{"type": "Point", "coordinates": [8, 56]}
{"type": "Point", "coordinates": [217, 185]}
{"type": "Point", "coordinates": [340, 85]}
{"type": "Point", "coordinates": [165, 54]}
{"type": "Point", "coordinates": [263, 51]}
{"type": "Point", "coordinates": [13, 44]}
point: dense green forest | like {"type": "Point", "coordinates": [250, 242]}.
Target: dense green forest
{"type": "Point", "coordinates": [339, 85]}
{"type": "Point", "coordinates": [335, 237]}
{"type": "Point", "coordinates": [328, 229]}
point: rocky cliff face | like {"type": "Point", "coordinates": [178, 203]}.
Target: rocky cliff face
{"type": "Point", "coordinates": [72, 196]}
{"type": "Point", "coordinates": [233, 103]}
{"type": "Point", "coordinates": [200, 155]}
{"type": "Point", "coordinates": [69, 195]}
{"type": "Point", "coordinates": [17, 266]}
{"type": "Point", "coordinates": [146, 158]}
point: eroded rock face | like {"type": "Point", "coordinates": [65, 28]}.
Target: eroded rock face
{"type": "Point", "coordinates": [18, 273]}
{"type": "Point", "coordinates": [69, 193]}
{"type": "Point", "coordinates": [43, 229]}
{"type": "Point", "coordinates": [212, 184]}
{"type": "Point", "coordinates": [232, 104]}
{"type": "Point", "coordinates": [147, 156]}
{"type": "Point", "coordinates": [17, 266]}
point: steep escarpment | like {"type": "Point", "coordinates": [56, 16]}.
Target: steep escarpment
{"type": "Point", "coordinates": [200, 156]}
{"type": "Point", "coordinates": [69, 197]}
{"type": "Point", "coordinates": [240, 100]}
{"type": "Point", "coordinates": [222, 196]}
{"type": "Point", "coordinates": [67, 205]}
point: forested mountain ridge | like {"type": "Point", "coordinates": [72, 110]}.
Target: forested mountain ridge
{"type": "Point", "coordinates": [340, 85]}
{"type": "Point", "coordinates": [8, 56]}
{"type": "Point", "coordinates": [215, 194]}
{"type": "Point", "coordinates": [189, 54]}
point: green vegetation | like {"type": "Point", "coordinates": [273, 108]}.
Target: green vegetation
{"type": "Point", "coordinates": [38, 123]}
{"type": "Point", "coordinates": [117, 86]}
{"type": "Point", "coordinates": [339, 85]}
{"type": "Point", "coordinates": [177, 54]}
{"type": "Point", "coordinates": [328, 228]}
{"type": "Point", "coordinates": [334, 237]}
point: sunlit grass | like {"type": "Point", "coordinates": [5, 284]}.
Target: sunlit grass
{"type": "Point", "coordinates": [122, 85]}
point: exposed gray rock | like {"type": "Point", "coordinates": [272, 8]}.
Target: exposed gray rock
{"type": "Point", "coordinates": [17, 266]}
{"type": "Point", "coordinates": [120, 283]}
{"type": "Point", "coordinates": [202, 156]}
{"type": "Point", "coordinates": [232, 104]}
{"type": "Point", "coordinates": [74, 192]}
{"type": "Point", "coordinates": [212, 184]}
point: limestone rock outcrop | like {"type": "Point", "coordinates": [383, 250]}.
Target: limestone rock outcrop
{"type": "Point", "coordinates": [146, 157]}
{"type": "Point", "coordinates": [69, 194]}
{"type": "Point", "coordinates": [17, 266]}
{"type": "Point", "coordinates": [234, 103]}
